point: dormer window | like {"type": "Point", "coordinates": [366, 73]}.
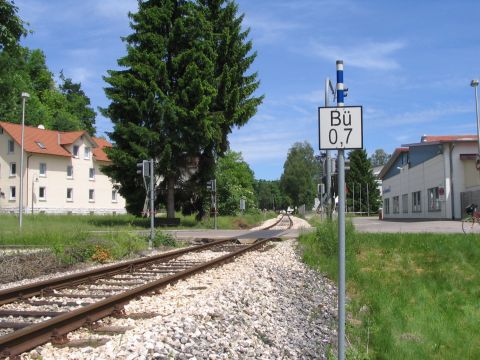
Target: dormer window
{"type": "Point", "coordinates": [75, 150]}
{"type": "Point", "coordinates": [87, 153]}
{"type": "Point", "coordinates": [40, 145]}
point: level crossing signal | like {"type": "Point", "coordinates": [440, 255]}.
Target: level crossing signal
{"type": "Point", "coordinates": [143, 168]}
{"type": "Point", "coordinates": [212, 185]}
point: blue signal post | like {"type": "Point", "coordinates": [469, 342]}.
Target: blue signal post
{"type": "Point", "coordinates": [341, 225]}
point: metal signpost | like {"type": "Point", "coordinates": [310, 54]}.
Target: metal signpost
{"type": "Point", "coordinates": [212, 187]}
{"type": "Point", "coordinates": [146, 169]}
{"type": "Point", "coordinates": [341, 128]}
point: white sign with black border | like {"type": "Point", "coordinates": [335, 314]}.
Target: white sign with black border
{"type": "Point", "coordinates": [340, 127]}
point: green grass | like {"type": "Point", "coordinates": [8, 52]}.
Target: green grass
{"type": "Point", "coordinates": [76, 238]}
{"type": "Point", "coordinates": [411, 296]}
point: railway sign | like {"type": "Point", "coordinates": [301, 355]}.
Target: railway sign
{"type": "Point", "coordinates": [340, 127]}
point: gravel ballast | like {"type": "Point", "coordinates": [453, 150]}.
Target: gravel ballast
{"type": "Point", "coordinates": [264, 305]}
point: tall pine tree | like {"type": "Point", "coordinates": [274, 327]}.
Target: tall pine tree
{"type": "Point", "coordinates": [165, 103]}
{"type": "Point", "coordinates": [234, 103]}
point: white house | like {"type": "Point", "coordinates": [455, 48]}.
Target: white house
{"type": "Point", "coordinates": [435, 178]}
{"type": "Point", "coordinates": [62, 172]}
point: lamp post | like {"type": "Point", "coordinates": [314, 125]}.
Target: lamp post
{"type": "Point", "coordinates": [20, 204]}
{"type": "Point", "coordinates": [474, 84]}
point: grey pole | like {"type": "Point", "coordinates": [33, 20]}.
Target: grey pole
{"type": "Point", "coordinates": [360, 199]}
{"type": "Point", "coordinates": [329, 166]}
{"type": "Point", "coordinates": [474, 84]}
{"type": "Point", "coordinates": [20, 203]}
{"type": "Point", "coordinates": [368, 203]}
{"type": "Point", "coordinates": [353, 199]}
{"type": "Point", "coordinates": [152, 205]}
{"type": "Point", "coordinates": [215, 201]}
{"type": "Point", "coordinates": [341, 226]}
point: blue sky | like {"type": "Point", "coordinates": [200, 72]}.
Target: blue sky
{"type": "Point", "coordinates": [409, 63]}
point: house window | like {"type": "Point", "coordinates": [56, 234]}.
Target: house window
{"type": "Point", "coordinates": [91, 173]}
{"type": "Point", "coordinates": [69, 194]}
{"type": "Point", "coordinates": [416, 201]}
{"type": "Point", "coordinates": [91, 195]}
{"type": "Point", "coordinates": [11, 146]}
{"type": "Point", "coordinates": [434, 203]}
{"type": "Point", "coordinates": [386, 206]}
{"type": "Point", "coordinates": [42, 193]}
{"type": "Point", "coordinates": [13, 169]}
{"type": "Point", "coordinates": [405, 203]}
{"type": "Point", "coordinates": [114, 196]}
{"type": "Point", "coordinates": [70, 171]}
{"type": "Point", "coordinates": [13, 192]}
{"type": "Point", "coordinates": [40, 145]}
{"type": "Point", "coordinates": [43, 169]}
{"type": "Point", "coordinates": [396, 204]}
{"type": "Point", "coordinates": [87, 153]}
{"type": "Point", "coordinates": [75, 150]}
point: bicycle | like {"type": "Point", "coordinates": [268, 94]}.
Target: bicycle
{"type": "Point", "coordinates": [472, 218]}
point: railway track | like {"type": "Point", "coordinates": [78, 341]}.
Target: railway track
{"type": "Point", "coordinates": [284, 223]}
{"type": "Point", "coordinates": [34, 314]}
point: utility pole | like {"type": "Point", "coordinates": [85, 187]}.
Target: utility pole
{"type": "Point", "coordinates": [340, 128]}
{"type": "Point", "coordinates": [353, 200]}
{"type": "Point", "coordinates": [20, 202]}
{"type": "Point", "coordinates": [341, 225]}
{"type": "Point", "coordinates": [368, 202]}
{"type": "Point", "coordinates": [152, 205]}
{"type": "Point", "coordinates": [328, 205]}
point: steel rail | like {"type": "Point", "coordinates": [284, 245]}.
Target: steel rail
{"type": "Point", "coordinates": [56, 328]}
{"type": "Point", "coordinates": [30, 290]}
{"type": "Point", "coordinates": [275, 224]}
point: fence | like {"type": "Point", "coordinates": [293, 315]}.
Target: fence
{"type": "Point", "coordinates": [469, 197]}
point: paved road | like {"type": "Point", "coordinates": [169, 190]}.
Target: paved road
{"type": "Point", "coordinates": [372, 224]}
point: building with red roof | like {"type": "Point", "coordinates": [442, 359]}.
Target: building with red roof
{"type": "Point", "coordinates": [62, 172]}
{"type": "Point", "coordinates": [435, 178]}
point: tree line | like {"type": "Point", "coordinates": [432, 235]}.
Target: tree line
{"type": "Point", "coordinates": [58, 106]}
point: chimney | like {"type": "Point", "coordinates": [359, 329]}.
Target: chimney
{"type": "Point", "coordinates": [58, 138]}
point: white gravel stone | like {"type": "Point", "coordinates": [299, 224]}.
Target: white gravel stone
{"type": "Point", "coordinates": [263, 305]}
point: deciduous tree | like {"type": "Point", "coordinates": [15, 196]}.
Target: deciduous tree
{"type": "Point", "coordinates": [300, 175]}
{"type": "Point", "coordinates": [234, 181]}
{"type": "Point", "coordinates": [12, 28]}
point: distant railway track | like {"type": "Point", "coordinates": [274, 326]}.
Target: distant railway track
{"type": "Point", "coordinates": [45, 311]}
{"type": "Point", "coordinates": [284, 223]}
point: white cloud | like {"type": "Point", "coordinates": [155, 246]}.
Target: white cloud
{"type": "Point", "coordinates": [80, 74]}
{"type": "Point", "coordinates": [369, 55]}
{"type": "Point", "coordinates": [268, 29]}
{"type": "Point", "coordinates": [424, 116]}
{"type": "Point", "coordinates": [116, 9]}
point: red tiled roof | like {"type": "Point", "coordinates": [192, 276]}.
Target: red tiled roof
{"type": "Point", "coordinates": [67, 138]}
{"type": "Point", "coordinates": [98, 152]}
{"type": "Point", "coordinates": [433, 138]}
{"type": "Point", "coordinates": [49, 138]}
{"type": "Point", "coordinates": [52, 140]}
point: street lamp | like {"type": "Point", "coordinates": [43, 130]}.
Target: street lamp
{"type": "Point", "coordinates": [20, 205]}
{"type": "Point", "coordinates": [474, 84]}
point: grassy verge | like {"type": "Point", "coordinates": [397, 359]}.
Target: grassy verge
{"type": "Point", "coordinates": [244, 221]}
{"type": "Point", "coordinates": [411, 296]}
{"type": "Point", "coordinates": [74, 223]}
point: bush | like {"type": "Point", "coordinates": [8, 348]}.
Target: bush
{"type": "Point", "coordinates": [164, 239]}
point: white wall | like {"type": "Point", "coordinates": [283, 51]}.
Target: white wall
{"type": "Point", "coordinates": [422, 177]}
{"type": "Point", "coordinates": [436, 172]}
{"type": "Point", "coordinates": [56, 183]}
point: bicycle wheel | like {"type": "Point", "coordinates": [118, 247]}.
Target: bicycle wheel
{"type": "Point", "coordinates": [468, 225]}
